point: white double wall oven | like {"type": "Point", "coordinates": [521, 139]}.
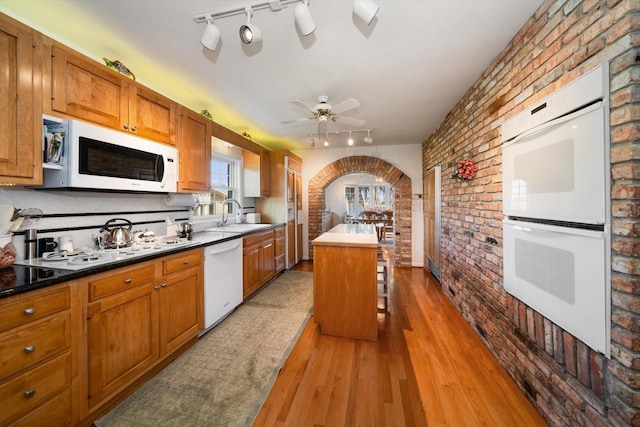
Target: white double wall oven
{"type": "Point", "coordinates": [556, 202]}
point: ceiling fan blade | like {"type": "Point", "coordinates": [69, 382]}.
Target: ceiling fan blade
{"type": "Point", "coordinates": [304, 119]}
{"type": "Point", "coordinates": [302, 105]}
{"type": "Point", "coordinates": [346, 105]}
{"type": "Point", "coordinates": [349, 121]}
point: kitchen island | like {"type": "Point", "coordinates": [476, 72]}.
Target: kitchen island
{"type": "Point", "coordinates": [344, 282]}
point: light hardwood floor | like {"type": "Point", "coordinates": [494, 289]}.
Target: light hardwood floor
{"type": "Point", "coordinates": [427, 368]}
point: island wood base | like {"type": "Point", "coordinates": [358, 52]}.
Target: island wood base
{"type": "Point", "coordinates": [344, 289]}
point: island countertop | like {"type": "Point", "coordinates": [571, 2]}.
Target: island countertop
{"type": "Point", "coordinates": [350, 235]}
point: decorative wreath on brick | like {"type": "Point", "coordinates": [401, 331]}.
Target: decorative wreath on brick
{"type": "Point", "coordinates": [465, 170]}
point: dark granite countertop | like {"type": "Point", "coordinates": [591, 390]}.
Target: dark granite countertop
{"type": "Point", "coordinates": [17, 279]}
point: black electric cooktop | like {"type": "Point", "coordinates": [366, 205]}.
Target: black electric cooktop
{"type": "Point", "coordinates": [20, 278]}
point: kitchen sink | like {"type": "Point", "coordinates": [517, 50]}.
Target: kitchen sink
{"type": "Point", "coordinates": [238, 228]}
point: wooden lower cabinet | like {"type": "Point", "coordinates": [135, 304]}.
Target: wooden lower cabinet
{"type": "Point", "coordinates": [123, 339]}
{"type": "Point", "coordinates": [259, 264]}
{"type": "Point", "coordinates": [279, 248]}
{"type": "Point", "coordinates": [38, 345]}
{"type": "Point", "coordinates": [157, 310]}
{"type": "Point", "coordinates": [181, 300]}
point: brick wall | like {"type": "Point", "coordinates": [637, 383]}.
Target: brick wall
{"type": "Point", "coordinates": [400, 182]}
{"type": "Point", "coordinates": [568, 383]}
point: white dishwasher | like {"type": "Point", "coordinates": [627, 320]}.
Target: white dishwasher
{"type": "Point", "coordinates": [222, 281]}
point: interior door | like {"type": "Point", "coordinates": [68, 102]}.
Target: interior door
{"type": "Point", "coordinates": [432, 220]}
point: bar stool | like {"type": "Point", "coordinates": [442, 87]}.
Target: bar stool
{"type": "Point", "coordinates": [382, 276]}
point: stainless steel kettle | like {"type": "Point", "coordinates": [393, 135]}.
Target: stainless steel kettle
{"type": "Point", "coordinates": [115, 235]}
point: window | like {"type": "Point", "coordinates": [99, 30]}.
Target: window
{"type": "Point", "coordinates": [224, 185]}
{"type": "Point", "coordinates": [360, 197]}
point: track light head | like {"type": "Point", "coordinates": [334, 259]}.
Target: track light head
{"type": "Point", "coordinates": [365, 10]}
{"type": "Point", "coordinates": [304, 20]}
{"type": "Point", "coordinates": [350, 140]}
{"type": "Point", "coordinates": [368, 138]}
{"type": "Point", "coordinates": [211, 35]}
{"type": "Point", "coordinates": [250, 33]}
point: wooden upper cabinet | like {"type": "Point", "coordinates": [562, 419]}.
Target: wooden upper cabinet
{"type": "Point", "coordinates": [90, 91]}
{"type": "Point", "coordinates": [195, 152]}
{"type": "Point", "coordinates": [20, 109]}
{"type": "Point", "coordinates": [87, 90]}
{"type": "Point", "coordinates": [265, 173]}
{"type": "Point", "coordinates": [153, 116]}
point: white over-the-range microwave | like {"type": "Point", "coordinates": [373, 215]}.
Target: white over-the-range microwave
{"type": "Point", "coordinates": [98, 158]}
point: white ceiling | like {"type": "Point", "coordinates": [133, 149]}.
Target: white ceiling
{"type": "Point", "coordinates": [407, 69]}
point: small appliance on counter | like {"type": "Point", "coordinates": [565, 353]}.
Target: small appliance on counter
{"type": "Point", "coordinates": [253, 218]}
{"type": "Point", "coordinates": [185, 229]}
{"type": "Point", "coordinates": [115, 235]}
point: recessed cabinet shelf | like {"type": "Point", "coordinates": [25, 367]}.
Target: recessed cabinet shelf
{"type": "Point", "coordinates": [54, 133]}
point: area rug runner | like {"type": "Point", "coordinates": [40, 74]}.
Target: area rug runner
{"type": "Point", "coordinates": [224, 379]}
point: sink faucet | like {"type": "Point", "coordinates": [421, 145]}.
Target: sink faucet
{"type": "Point", "coordinates": [224, 220]}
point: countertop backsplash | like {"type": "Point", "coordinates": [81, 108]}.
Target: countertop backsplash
{"type": "Point", "coordinates": [81, 214]}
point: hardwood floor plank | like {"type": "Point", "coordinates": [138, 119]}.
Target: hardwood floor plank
{"type": "Point", "coordinates": [427, 368]}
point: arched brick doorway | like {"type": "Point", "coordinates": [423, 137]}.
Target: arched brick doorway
{"type": "Point", "coordinates": [374, 166]}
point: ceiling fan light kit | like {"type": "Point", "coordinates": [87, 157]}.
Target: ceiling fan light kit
{"type": "Point", "coordinates": [365, 10]}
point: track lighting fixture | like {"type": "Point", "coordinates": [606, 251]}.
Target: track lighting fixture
{"type": "Point", "coordinates": [211, 35]}
{"type": "Point", "coordinates": [350, 141]}
{"type": "Point", "coordinates": [304, 20]}
{"type": "Point", "coordinates": [368, 138]}
{"type": "Point", "coordinates": [365, 10]}
{"type": "Point", "coordinates": [249, 33]}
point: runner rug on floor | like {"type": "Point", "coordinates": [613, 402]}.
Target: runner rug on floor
{"type": "Point", "coordinates": [224, 379]}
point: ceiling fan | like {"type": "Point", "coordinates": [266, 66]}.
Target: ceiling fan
{"type": "Point", "coordinates": [324, 112]}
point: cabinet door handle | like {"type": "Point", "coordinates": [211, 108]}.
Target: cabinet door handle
{"type": "Point", "coordinates": [164, 285]}
{"type": "Point", "coordinates": [29, 393]}
{"type": "Point", "coordinates": [29, 349]}
{"type": "Point", "coordinates": [134, 128]}
{"type": "Point", "coordinates": [185, 262]}
{"type": "Point", "coordinates": [29, 311]}
{"type": "Point", "coordinates": [126, 126]}
{"type": "Point", "coordinates": [128, 281]}
{"type": "Point", "coordinates": [157, 288]}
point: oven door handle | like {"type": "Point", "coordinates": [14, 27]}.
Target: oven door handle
{"type": "Point", "coordinates": [552, 123]}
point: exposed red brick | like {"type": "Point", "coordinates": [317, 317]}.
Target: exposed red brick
{"type": "Point", "coordinates": [583, 364]}
{"type": "Point", "coordinates": [562, 41]}
{"type": "Point", "coordinates": [569, 353]}
{"type": "Point", "coordinates": [558, 344]}
{"type": "Point", "coordinates": [539, 328]}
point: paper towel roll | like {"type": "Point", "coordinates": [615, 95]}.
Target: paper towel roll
{"type": "Point", "coordinates": [178, 199]}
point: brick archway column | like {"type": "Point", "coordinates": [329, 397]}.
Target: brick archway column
{"type": "Point", "coordinates": [400, 182]}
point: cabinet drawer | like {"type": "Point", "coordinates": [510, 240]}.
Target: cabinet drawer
{"type": "Point", "coordinates": [279, 232]}
{"type": "Point", "coordinates": [181, 261]}
{"type": "Point", "coordinates": [279, 263]}
{"type": "Point", "coordinates": [252, 239]}
{"type": "Point", "coordinates": [24, 347]}
{"type": "Point", "coordinates": [120, 281]}
{"type": "Point", "coordinates": [29, 390]}
{"type": "Point", "coordinates": [279, 246]}
{"type": "Point", "coordinates": [24, 309]}
{"type": "Point", "coordinates": [56, 412]}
